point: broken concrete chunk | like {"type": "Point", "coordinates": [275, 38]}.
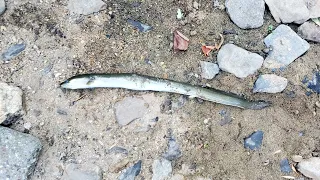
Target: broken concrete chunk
{"type": "Point", "coordinates": [310, 168]}
{"type": "Point", "coordinates": [83, 171]}
{"type": "Point", "coordinates": [286, 47]}
{"type": "Point", "coordinates": [310, 31]}
{"type": "Point", "coordinates": [208, 70]}
{"type": "Point", "coordinates": [10, 104]}
{"type": "Point", "coordinates": [161, 169]}
{"type": "Point", "coordinates": [19, 154]}
{"type": "Point", "coordinates": [85, 7]}
{"type": "Point", "coordinates": [238, 61]}
{"type": "Point", "coordinates": [270, 83]}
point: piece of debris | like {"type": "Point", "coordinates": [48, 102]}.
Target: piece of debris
{"type": "Point", "coordinates": [288, 177]}
{"type": "Point", "coordinates": [10, 104]}
{"type": "Point", "coordinates": [173, 151]}
{"type": "Point", "coordinates": [208, 69]}
{"type": "Point", "coordinates": [288, 11]}
{"type": "Point", "coordinates": [82, 171]}
{"type": "Point", "coordinates": [310, 167]}
{"type": "Point", "coordinates": [226, 118]}
{"type": "Point", "coordinates": [254, 141]}
{"type": "Point", "coordinates": [129, 109]}
{"type": "Point", "coordinates": [180, 41]}
{"type": "Point", "coordinates": [246, 14]}
{"type": "Point", "coordinates": [2, 6]}
{"type": "Point", "coordinates": [12, 52]}
{"type": "Point", "coordinates": [131, 172]}
{"type": "Point", "coordinates": [287, 46]}
{"type": "Point", "coordinates": [310, 31]}
{"type": "Point", "coordinates": [62, 112]}
{"type": "Point", "coordinates": [19, 154]}
{"type": "Point", "coordinates": [207, 49]}
{"type": "Point", "coordinates": [161, 169]}
{"type": "Point", "coordinates": [141, 27]}
{"type": "Point", "coordinates": [314, 84]}
{"type": "Point", "coordinates": [117, 150]}
{"type": "Point", "coordinates": [196, 5]}
{"type": "Point", "coordinates": [270, 83]}
{"type": "Point", "coordinates": [285, 166]}
{"type": "Point", "coordinates": [85, 7]}
{"type": "Point", "coordinates": [238, 61]}
{"type": "Point", "coordinates": [229, 31]}
{"type": "Point", "coordinates": [297, 158]}
{"type": "Point", "coordinates": [179, 14]}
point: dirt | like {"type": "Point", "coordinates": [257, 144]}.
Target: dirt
{"type": "Point", "coordinates": [60, 45]}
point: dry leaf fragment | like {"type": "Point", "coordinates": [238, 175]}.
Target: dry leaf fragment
{"type": "Point", "coordinates": [207, 49]}
{"type": "Point", "coordinates": [180, 41]}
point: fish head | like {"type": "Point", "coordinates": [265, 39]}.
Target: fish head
{"type": "Point", "coordinates": [77, 82]}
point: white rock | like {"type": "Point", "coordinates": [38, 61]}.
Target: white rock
{"type": "Point", "coordinates": [208, 70]}
{"type": "Point", "coordinates": [270, 83]}
{"type": "Point", "coordinates": [161, 169]}
{"type": "Point", "coordinates": [288, 11]}
{"type": "Point", "coordinates": [10, 103]}
{"type": "Point", "coordinates": [83, 171]}
{"type": "Point", "coordinates": [310, 31]}
{"type": "Point", "coordinates": [246, 14]}
{"type": "Point", "coordinates": [2, 6]}
{"type": "Point", "coordinates": [85, 7]}
{"type": "Point", "coordinates": [238, 61]}
{"type": "Point", "coordinates": [310, 168]}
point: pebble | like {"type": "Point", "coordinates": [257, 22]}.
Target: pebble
{"type": "Point", "coordinates": [2, 6]}
{"type": "Point", "coordinates": [12, 52]}
{"type": "Point", "coordinates": [174, 151]}
{"type": "Point", "coordinates": [129, 109]}
{"type": "Point", "coordinates": [286, 47]}
{"type": "Point", "coordinates": [193, 33]}
{"type": "Point", "coordinates": [10, 104]}
{"type": "Point", "coordinates": [83, 171]}
{"type": "Point", "coordinates": [310, 31]}
{"type": "Point", "coordinates": [285, 166]}
{"type": "Point", "coordinates": [161, 169]}
{"type": "Point", "coordinates": [196, 5]}
{"type": "Point", "coordinates": [117, 150]}
{"type": "Point", "coordinates": [314, 84]}
{"type": "Point", "coordinates": [318, 104]}
{"type": "Point", "coordinates": [209, 70]}
{"type": "Point", "coordinates": [19, 154]}
{"type": "Point", "coordinates": [246, 14]}
{"type": "Point", "coordinates": [288, 11]}
{"type": "Point", "coordinates": [254, 141]}
{"type": "Point", "coordinates": [270, 83]}
{"type": "Point", "coordinates": [141, 27]}
{"type": "Point", "coordinates": [131, 172]}
{"type": "Point", "coordinates": [238, 61]}
{"type": "Point", "coordinates": [310, 167]}
{"type": "Point", "coordinates": [85, 7]}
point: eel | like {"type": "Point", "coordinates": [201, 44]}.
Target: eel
{"type": "Point", "coordinates": [147, 83]}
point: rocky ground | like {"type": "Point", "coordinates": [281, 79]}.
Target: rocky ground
{"type": "Point", "coordinates": [270, 52]}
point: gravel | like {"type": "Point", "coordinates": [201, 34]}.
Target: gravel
{"type": "Point", "coordinates": [270, 83]}
{"type": "Point", "coordinates": [254, 141]}
{"type": "Point", "coordinates": [238, 61]}
{"type": "Point", "coordinates": [161, 169]}
{"type": "Point", "coordinates": [84, 171]}
{"type": "Point", "coordinates": [246, 14]}
{"type": "Point", "coordinates": [209, 70]}
{"type": "Point", "coordinates": [19, 154]}
{"type": "Point", "coordinates": [12, 52]}
{"type": "Point", "coordinates": [310, 31]}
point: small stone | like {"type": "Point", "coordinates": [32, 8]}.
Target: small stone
{"type": "Point", "coordinates": [287, 46]}
{"type": "Point", "coordinates": [131, 172]}
{"type": "Point", "coordinates": [254, 141]}
{"type": "Point", "coordinates": [209, 70]}
{"type": "Point", "coordinates": [288, 11]}
{"type": "Point", "coordinates": [129, 109]}
{"type": "Point", "coordinates": [10, 104]}
{"type": "Point", "coordinates": [195, 5]}
{"type": "Point", "coordinates": [318, 104]}
{"type": "Point", "coordinates": [84, 171]}
{"type": "Point", "coordinates": [27, 125]}
{"type": "Point", "coordinates": [310, 31]}
{"type": "Point", "coordinates": [246, 14]}
{"type": "Point", "coordinates": [310, 167]}
{"type": "Point", "coordinates": [141, 27]}
{"type": "Point", "coordinates": [174, 151]}
{"type": "Point", "coordinates": [85, 7]}
{"type": "Point", "coordinates": [193, 33]}
{"type": "Point", "coordinates": [161, 169]}
{"type": "Point", "coordinates": [117, 150]}
{"type": "Point", "coordinates": [12, 52]}
{"type": "Point", "coordinates": [314, 84]}
{"type": "Point", "coordinates": [238, 61]}
{"type": "Point", "coordinates": [2, 6]}
{"type": "Point", "coordinates": [285, 166]}
{"type": "Point", "coordinates": [62, 112]}
{"type": "Point", "coordinates": [19, 154]}
{"type": "Point", "coordinates": [270, 83]}
{"type": "Point", "coordinates": [297, 158]}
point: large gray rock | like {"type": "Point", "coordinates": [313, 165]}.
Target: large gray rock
{"type": "Point", "coordinates": [246, 14]}
{"type": "Point", "coordinates": [314, 8]}
{"type": "Point", "coordinates": [84, 171]}
{"type": "Point", "coordinates": [310, 168]}
{"type": "Point", "coordinates": [288, 11]}
{"type": "Point", "coordinates": [85, 7]}
{"type": "Point", "coordinates": [238, 61]}
{"type": "Point", "coordinates": [161, 169]}
{"type": "Point", "coordinates": [208, 70]}
{"type": "Point", "coordinates": [2, 6]}
{"type": "Point", "coordinates": [19, 154]}
{"type": "Point", "coordinates": [129, 109]}
{"type": "Point", "coordinates": [10, 103]}
{"type": "Point", "coordinates": [310, 31]}
{"type": "Point", "coordinates": [286, 47]}
{"type": "Point", "coordinates": [270, 83]}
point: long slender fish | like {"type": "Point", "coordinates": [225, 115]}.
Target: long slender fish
{"type": "Point", "coordinates": [148, 83]}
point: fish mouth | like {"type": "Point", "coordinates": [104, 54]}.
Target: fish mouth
{"type": "Point", "coordinates": [64, 84]}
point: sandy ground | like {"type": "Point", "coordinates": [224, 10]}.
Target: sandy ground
{"type": "Point", "coordinates": [72, 45]}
